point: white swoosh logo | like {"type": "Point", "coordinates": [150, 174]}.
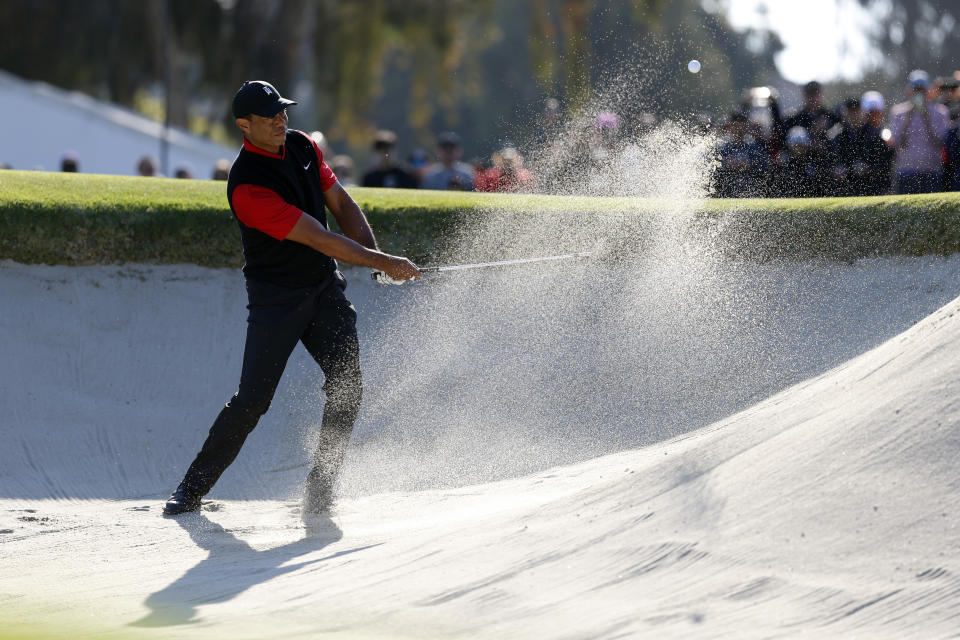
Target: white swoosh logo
{"type": "Point", "coordinates": [307, 166]}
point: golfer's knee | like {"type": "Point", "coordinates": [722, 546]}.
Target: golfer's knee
{"type": "Point", "coordinates": [251, 405]}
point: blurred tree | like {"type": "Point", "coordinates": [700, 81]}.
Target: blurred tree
{"type": "Point", "coordinates": [95, 46]}
{"type": "Point", "coordinates": [915, 34]}
{"type": "Point", "coordinates": [637, 51]}
{"type": "Point", "coordinates": [483, 67]}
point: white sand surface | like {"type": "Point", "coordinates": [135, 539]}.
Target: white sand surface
{"type": "Point", "coordinates": [770, 452]}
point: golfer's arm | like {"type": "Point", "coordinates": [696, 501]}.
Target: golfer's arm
{"type": "Point", "coordinates": [349, 216]}
{"type": "Point", "coordinates": [310, 232]}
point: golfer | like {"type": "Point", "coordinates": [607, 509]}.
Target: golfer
{"type": "Point", "coordinates": [279, 190]}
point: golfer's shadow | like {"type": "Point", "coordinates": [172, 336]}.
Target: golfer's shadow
{"type": "Point", "coordinates": [232, 567]}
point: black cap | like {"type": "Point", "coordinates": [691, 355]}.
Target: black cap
{"type": "Point", "coordinates": [947, 82]}
{"type": "Point", "coordinates": [812, 87]}
{"type": "Point", "coordinates": [384, 139]}
{"type": "Point", "coordinates": [259, 98]}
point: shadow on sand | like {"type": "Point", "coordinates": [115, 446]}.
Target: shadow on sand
{"type": "Point", "coordinates": [232, 567]}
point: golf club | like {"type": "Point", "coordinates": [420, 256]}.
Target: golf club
{"type": "Point", "coordinates": [383, 278]}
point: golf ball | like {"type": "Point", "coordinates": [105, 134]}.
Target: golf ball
{"type": "Point", "coordinates": [693, 66]}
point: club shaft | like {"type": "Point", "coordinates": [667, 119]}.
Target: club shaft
{"type": "Point", "coordinates": [382, 278]}
{"type": "Point", "coordinates": [503, 263]}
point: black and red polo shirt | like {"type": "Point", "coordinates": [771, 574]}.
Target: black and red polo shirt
{"type": "Point", "coordinates": [268, 192]}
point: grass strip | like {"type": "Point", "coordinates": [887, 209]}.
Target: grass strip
{"type": "Point", "coordinates": [78, 219]}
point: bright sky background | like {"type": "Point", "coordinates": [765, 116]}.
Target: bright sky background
{"type": "Point", "coordinates": [824, 39]}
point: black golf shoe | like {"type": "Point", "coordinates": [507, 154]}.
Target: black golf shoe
{"type": "Point", "coordinates": [182, 500]}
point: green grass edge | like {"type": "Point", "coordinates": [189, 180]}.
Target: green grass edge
{"type": "Point", "coordinates": [82, 219]}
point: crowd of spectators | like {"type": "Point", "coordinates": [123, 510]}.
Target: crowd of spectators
{"type": "Point", "coordinates": [448, 172]}
{"type": "Point", "coordinates": [861, 146]}
{"type": "Point", "coordinates": [858, 148]}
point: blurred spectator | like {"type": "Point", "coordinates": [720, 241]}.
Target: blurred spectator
{"type": "Point", "coordinates": [221, 170]}
{"type": "Point", "coordinates": [873, 106]}
{"type": "Point", "coordinates": [342, 167]}
{"type": "Point", "coordinates": [419, 163]}
{"type": "Point", "coordinates": [644, 123]}
{"type": "Point", "coordinates": [812, 116]}
{"type": "Point", "coordinates": [950, 98]}
{"type": "Point", "coordinates": [744, 161]}
{"type": "Point", "coordinates": [703, 124]}
{"type": "Point", "coordinates": [847, 148]}
{"type": "Point", "coordinates": [5, 166]}
{"type": "Point", "coordinates": [549, 126]}
{"type": "Point", "coordinates": [947, 93]}
{"type": "Point", "coordinates": [760, 105]}
{"type": "Point", "coordinates": [146, 166]}
{"type": "Point", "coordinates": [506, 174]}
{"type": "Point", "coordinates": [606, 138]}
{"type": "Point", "coordinates": [607, 121]}
{"type": "Point", "coordinates": [919, 130]}
{"type": "Point", "coordinates": [183, 172]}
{"type": "Point", "coordinates": [550, 119]}
{"type": "Point", "coordinates": [449, 172]}
{"type": "Point", "coordinates": [70, 162]}
{"type": "Point", "coordinates": [588, 151]}
{"type": "Point", "coordinates": [877, 154]}
{"type": "Point", "coordinates": [951, 168]}
{"type": "Point", "coordinates": [802, 173]}
{"type": "Point", "coordinates": [386, 172]}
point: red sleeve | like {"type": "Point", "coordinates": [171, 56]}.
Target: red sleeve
{"type": "Point", "coordinates": [264, 210]}
{"type": "Point", "coordinates": [327, 177]}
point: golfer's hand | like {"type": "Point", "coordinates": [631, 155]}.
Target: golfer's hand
{"type": "Point", "coordinates": [400, 268]}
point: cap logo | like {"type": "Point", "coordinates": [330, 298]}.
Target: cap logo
{"type": "Point", "coordinates": [267, 89]}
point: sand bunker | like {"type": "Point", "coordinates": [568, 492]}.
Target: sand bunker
{"type": "Point", "coordinates": [770, 451]}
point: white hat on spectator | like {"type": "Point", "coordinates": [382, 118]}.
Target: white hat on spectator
{"type": "Point", "coordinates": [919, 79]}
{"type": "Point", "coordinates": [872, 101]}
{"type": "Point", "coordinates": [797, 135]}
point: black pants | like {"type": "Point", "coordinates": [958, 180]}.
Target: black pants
{"type": "Point", "coordinates": [325, 322]}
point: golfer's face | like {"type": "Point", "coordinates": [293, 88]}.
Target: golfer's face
{"type": "Point", "coordinates": [268, 132]}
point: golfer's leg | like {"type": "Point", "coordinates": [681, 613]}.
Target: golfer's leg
{"type": "Point", "coordinates": [332, 341]}
{"type": "Point", "coordinates": [268, 346]}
